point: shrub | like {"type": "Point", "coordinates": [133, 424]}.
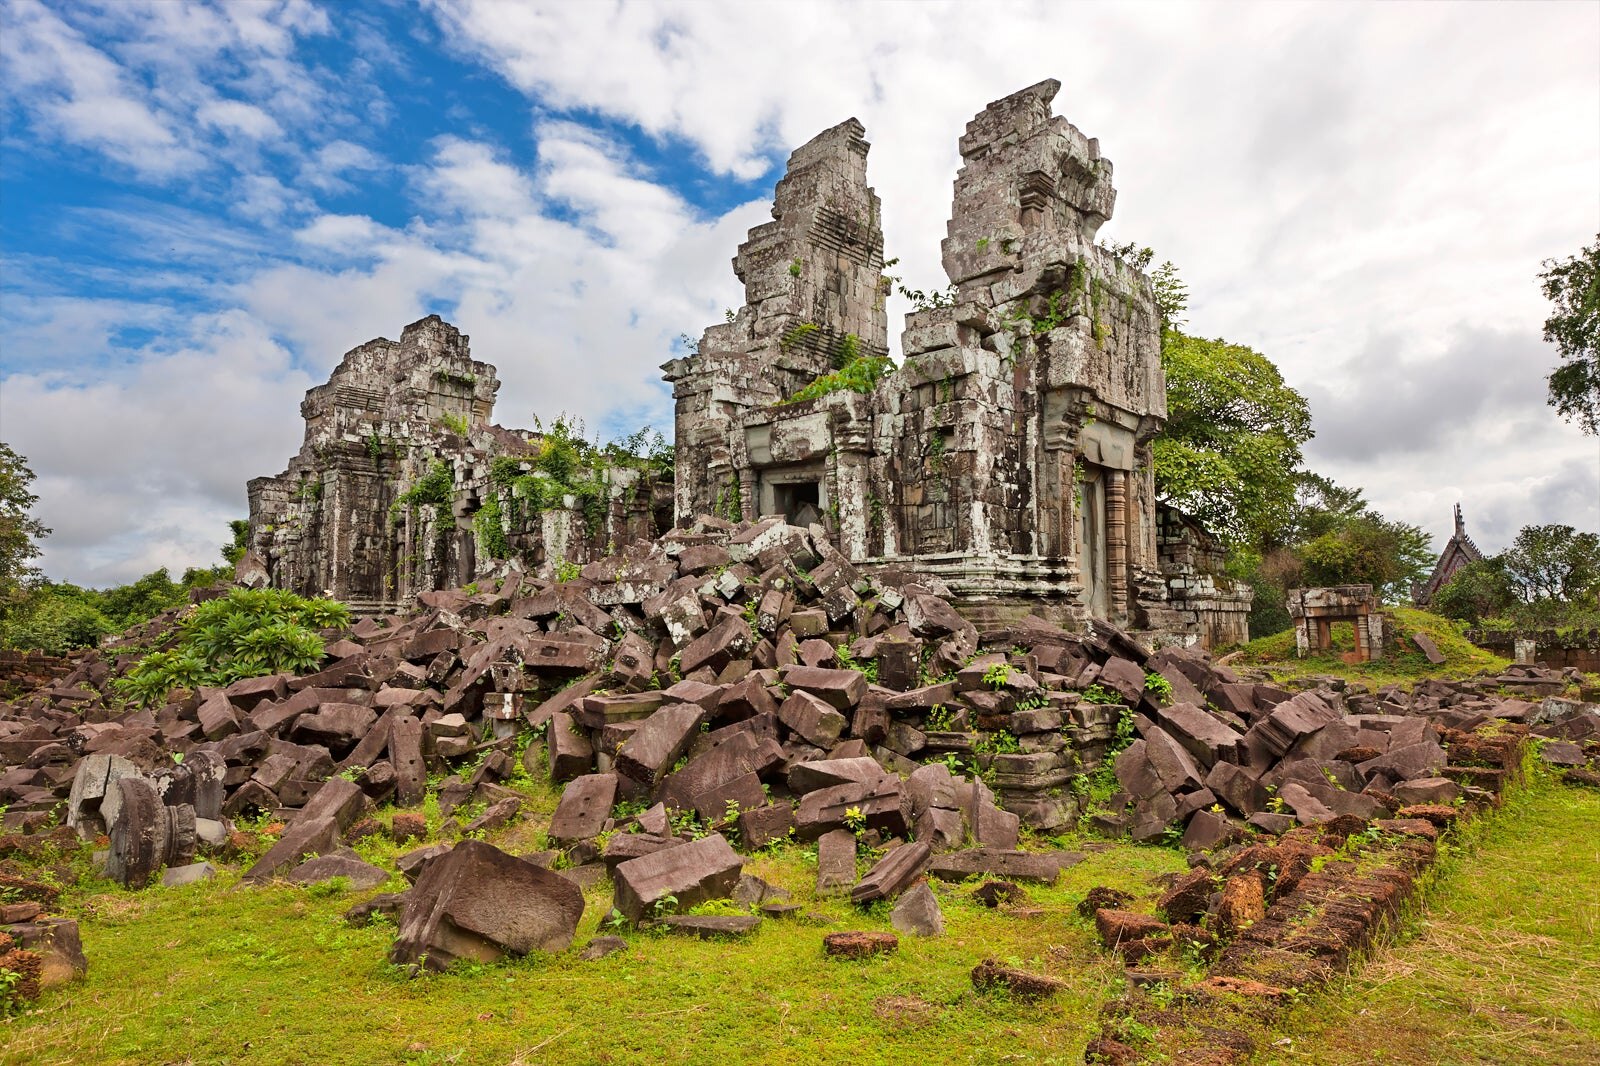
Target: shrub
{"type": "Point", "coordinates": [247, 633]}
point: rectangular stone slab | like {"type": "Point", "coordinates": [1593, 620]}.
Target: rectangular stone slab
{"type": "Point", "coordinates": [840, 689]}
{"type": "Point", "coordinates": [597, 712]}
{"type": "Point", "coordinates": [704, 870]}
{"type": "Point", "coordinates": [477, 902]}
{"type": "Point", "coordinates": [570, 753]}
{"type": "Point", "coordinates": [585, 805]}
{"type": "Point", "coordinates": [1201, 735]}
{"type": "Point", "coordinates": [836, 862]}
{"type": "Point", "coordinates": [893, 874]}
{"type": "Point", "coordinates": [655, 746]}
{"type": "Point", "coordinates": [824, 773]}
{"type": "Point", "coordinates": [1011, 865]}
{"type": "Point", "coordinates": [405, 752]}
{"type": "Point", "coordinates": [881, 803]}
{"type": "Point", "coordinates": [812, 718]}
{"type": "Point", "coordinates": [728, 640]}
{"type": "Point", "coordinates": [740, 753]}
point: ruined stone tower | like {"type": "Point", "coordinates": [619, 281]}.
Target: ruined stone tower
{"type": "Point", "coordinates": [813, 280]}
{"type": "Point", "coordinates": [403, 485]}
{"type": "Point", "coordinates": [1009, 454]}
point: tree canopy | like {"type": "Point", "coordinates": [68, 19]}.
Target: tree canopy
{"type": "Point", "coordinates": [1230, 453]}
{"type": "Point", "coordinates": [19, 530]}
{"type": "Point", "coordinates": [1553, 562]}
{"type": "Point", "coordinates": [1341, 540]}
{"type": "Point", "coordinates": [1549, 576]}
{"type": "Point", "coordinates": [1573, 288]}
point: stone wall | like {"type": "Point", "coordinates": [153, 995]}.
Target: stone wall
{"type": "Point", "coordinates": [1557, 650]}
{"type": "Point", "coordinates": [1206, 601]}
{"type": "Point", "coordinates": [390, 492]}
{"type": "Point", "coordinates": [25, 671]}
{"type": "Point", "coordinates": [1009, 454]}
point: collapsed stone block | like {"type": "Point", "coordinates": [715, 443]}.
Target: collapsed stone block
{"type": "Point", "coordinates": [677, 878]}
{"type": "Point", "coordinates": [476, 902]}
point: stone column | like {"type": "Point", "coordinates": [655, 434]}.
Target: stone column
{"type": "Point", "coordinates": [1117, 542]}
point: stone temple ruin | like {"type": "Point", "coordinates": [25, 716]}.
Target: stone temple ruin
{"type": "Point", "coordinates": [397, 489]}
{"type": "Point", "coordinates": [1008, 456]}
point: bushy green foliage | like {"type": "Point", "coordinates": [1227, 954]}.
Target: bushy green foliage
{"type": "Point", "coordinates": [504, 470]}
{"type": "Point", "coordinates": [491, 533]}
{"type": "Point", "coordinates": [1548, 577]}
{"type": "Point", "coordinates": [1478, 591]}
{"type": "Point", "coordinates": [434, 489]}
{"type": "Point", "coordinates": [234, 550]}
{"type": "Point", "coordinates": [247, 633]}
{"type": "Point", "coordinates": [1230, 453]}
{"type": "Point", "coordinates": [1573, 289]}
{"type": "Point", "coordinates": [856, 371]}
{"type": "Point", "coordinates": [58, 617]}
{"type": "Point", "coordinates": [562, 450]}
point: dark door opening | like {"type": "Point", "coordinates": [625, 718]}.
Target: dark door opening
{"type": "Point", "coordinates": [800, 502]}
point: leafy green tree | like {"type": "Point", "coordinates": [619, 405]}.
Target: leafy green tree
{"type": "Point", "coordinates": [1172, 295]}
{"type": "Point", "coordinates": [1478, 591]}
{"type": "Point", "coordinates": [145, 598]}
{"type": "Point", "coordinates": [1573, 289]}
{"type": "Point", "coordinates": [56, 619]}
{"type": "Point", "coordinates": [1230, 453]}
{"type": "Point", "coordinates": [1340, 540]}
{"type": "Point", "coordinates": [235, 549]}
{"type": "Point", "coordinates": [1555, 564]}
{"type": "Point", "coordinates": [19, 530]}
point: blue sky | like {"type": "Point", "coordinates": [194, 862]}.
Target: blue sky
{"type": "Point", "coordinates": [203, 205]}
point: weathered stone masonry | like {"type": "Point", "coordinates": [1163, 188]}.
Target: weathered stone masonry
{"type": "Point", "coordinates": [1009, 454]}
{"type": "Point", "coordinates": [393, 414]}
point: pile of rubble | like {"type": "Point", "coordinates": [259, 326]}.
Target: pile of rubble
{"type": "Point", "coordinates": [1225, 754]}
{"type": "Point", "coordinates": [725, 682]}
{"type": "Point", "coordinates": [746, 675]}
{"type": "Point", "coordinates": [1272, 916]}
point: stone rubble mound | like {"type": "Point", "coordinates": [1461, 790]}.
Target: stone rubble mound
{"type": "Point", "coordinates": [725, 682]}
{"type": "Point", "coordinates": [1219, 754]}
{"type": "Point", "coordinates": [746, 673]}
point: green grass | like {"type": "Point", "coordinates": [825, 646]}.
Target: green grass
{"type": "Point", "coordinates": [1503, 967]}
{"type": "Point", "coordinates": [224, 974]}
{"type": "Point", "coordinates": [1407, 664]}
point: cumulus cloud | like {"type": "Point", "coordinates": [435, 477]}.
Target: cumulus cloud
{"type": "Point", "coordinates": [143, 465]}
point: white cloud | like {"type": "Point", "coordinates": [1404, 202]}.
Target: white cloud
{"type": "Point", "coordinates": [235, 116]}
{"type": "Point", "coordinates": [142, 466]}
{"type": "Point", "coordinates": [1323, 175]}
{"type": "Point", "coordinates": [82, 93]}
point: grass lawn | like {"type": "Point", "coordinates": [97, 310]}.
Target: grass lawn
{"type": "Point", "coordinates": [222, 974]}
{"type": "Point", "coordinates": [1504, 966]}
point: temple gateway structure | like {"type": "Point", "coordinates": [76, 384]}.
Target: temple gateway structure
{"type": "Point", "coordinates": [1007, 456]}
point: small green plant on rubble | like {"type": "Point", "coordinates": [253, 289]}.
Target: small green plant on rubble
{"type": "Point", "coordinates": [1098, 693]}
{"type": "Point", "coordinates": [997, 676]}
{"type": "Point", "coordinates": [855, 820]}
{"type": "Point", "coordinates": [1158, 686]}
